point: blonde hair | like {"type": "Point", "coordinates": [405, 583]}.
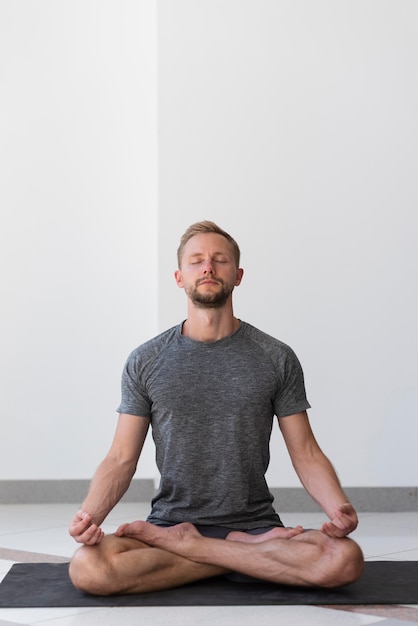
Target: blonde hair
{"type": "Point", "coordinates": [207, 227]}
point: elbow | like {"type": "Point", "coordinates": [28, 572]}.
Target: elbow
{"type": "Point", "coordinates": [128, 467]}
{"type": "Point", "coordinates": [122, 466]}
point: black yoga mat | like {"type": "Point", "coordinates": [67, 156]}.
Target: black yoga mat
{"type": "Point", "coordinates": [48, 585]}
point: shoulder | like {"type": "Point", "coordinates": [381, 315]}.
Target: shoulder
{"type": "Point", "coordinates": [280, 355]}
{"type": "Point", "coordinates": [266, 342]}
{"type": "Point", "coordinates": [153, 347]}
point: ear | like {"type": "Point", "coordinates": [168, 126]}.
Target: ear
{"type": "Point", "coordinates": [240, 274]}
{"type": "Point", "coordinates": [178, 278]}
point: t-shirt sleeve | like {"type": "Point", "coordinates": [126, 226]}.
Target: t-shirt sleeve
{"type": "Point", "coordinates": [135, 400]}
{"type": "Point", "coordinates": [291, 397]}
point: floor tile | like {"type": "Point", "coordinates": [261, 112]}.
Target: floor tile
{"type": "Point", "coordinates": [394, 622]}
{"type": "Point", "coordinates": [42, 529]}
{"type": "Point", "coordinates": [46, 615]}
{"type": "Point", "coordinates": [221, 616]}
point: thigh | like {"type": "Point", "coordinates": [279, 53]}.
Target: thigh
{"type": "Point", "coordinates": [120, 565]}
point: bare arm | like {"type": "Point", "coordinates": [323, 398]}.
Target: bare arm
{"type": "Point", "coordinates": [111, 479]}
{"type": "Point", "coordinates": [317, 475]}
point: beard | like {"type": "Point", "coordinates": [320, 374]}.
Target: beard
{"type": "Point", "coordinates": [209, 300]}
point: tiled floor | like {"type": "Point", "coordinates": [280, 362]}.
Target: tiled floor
{"type": "Point", "coordinates": [29, 532]}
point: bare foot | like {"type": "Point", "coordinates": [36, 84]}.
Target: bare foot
{"type": "Point", "coordinates": [274, 533]}
{"type": "Point", "coordinates": [174, 538]}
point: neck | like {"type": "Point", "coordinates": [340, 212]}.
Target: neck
{"type": "Point", "coordinates": [209, 324]}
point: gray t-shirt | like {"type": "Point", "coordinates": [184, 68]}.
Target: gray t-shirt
{"type": "Point", "coordinates": [211, 407]}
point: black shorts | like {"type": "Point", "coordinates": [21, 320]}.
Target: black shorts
{"type": "Point", "coordinates": [220, 532]}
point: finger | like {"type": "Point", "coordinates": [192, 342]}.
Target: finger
{"type": "Point", "coordinates": [122, 530]}
{"type": "Point", "coordinates": [78, 528]}
{"type": "Point", "coordinates": [81, 518]}
{"type": "Point", "coordinates": [339, 523]}
{"type": "Point", "coordinates": [82, 515]}
{"type": "Point", "coordinates": [332, 531]}
{"type": "Point", "coordinates": [329, 528]}
{"type": "Point", "coordinates": [299, 528]}
{"type": "Point", "coordinates": [95, 538]}
{"type": "Point", "coordinates": [343, 519]}
{"type": "Point", "coordinates": [91, 541]}
{"type": "Point", "coordinates": [91, 532]}
{"type": "Point", "coordinates": [91, 536]}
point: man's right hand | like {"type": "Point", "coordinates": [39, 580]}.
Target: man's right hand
{"type": "Point", "coordinates": [83, 530]}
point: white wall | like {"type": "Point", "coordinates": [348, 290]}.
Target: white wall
{"type": "Point", "coordinates": [293, 124]}
{"type": "Point", "coordinates": [78, 234]}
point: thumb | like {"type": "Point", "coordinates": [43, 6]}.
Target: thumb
{"type": "Point", "coordinates": [121, 530]}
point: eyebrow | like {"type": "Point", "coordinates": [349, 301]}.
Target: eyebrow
{"type": "Point", "coordinates": [200, 254]}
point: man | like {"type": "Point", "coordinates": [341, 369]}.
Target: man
{"type": "Point", "coordinates": [210, 388]}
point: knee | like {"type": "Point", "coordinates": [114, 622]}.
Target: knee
{"type": "Point", "coordinates": [89, 571]}
{"type": "Point", "coordinates": [344, 563]}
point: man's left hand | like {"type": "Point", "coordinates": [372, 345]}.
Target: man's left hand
{"type": "Point", "coordinates": [343, 522]}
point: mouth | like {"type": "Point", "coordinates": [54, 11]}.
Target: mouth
{"type": "Point", "coordinates": [208, 281]}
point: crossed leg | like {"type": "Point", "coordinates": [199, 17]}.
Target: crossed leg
{"type": "Point", "coordinates": [143, 557]}
{"type": "Point", "coordinates": [120, 565]}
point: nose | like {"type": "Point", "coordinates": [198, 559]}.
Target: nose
{"type": "Point", "coordinates": [208, 267]}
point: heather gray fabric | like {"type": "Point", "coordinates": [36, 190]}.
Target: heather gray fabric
{"type": "Point", "coordinates": [211, 407]}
